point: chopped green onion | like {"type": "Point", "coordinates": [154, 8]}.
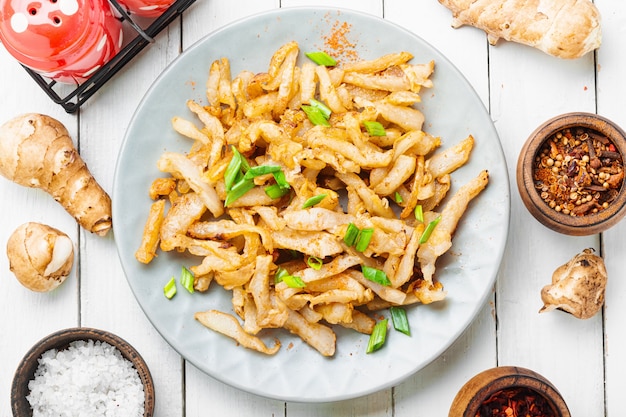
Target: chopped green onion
{"type": "Point", "coordinates": [315, 262]}
{"type": "Point", "coordinates": [245, 166]}
{"type": "Point", "coordinates": [419, 213]}
{"type": "Point", "coordinates": [233, 170]}
{"type": "Point", "coordinates": [429, 229]}
{"type": "Point", "coordinates": [352, 232]}
{"type": "Point", "coordinates": [259, 170]}
{"type": "Point", "coordinates": [400, 320]}
{"type": "Point", "coordinates": [275, 191]}
{"type": "Point", "coordinates": [280, 274]}
{"type": "Point", "coordinates": [321, 58]}
{"type": "Point", "coordinates": [293, 281]}
{"type": "Point", "coordinates": [374, 128]}
{"type": "Point", "coordinates": [398, 198]}
{"type": "Point", "coordinates": [238, 190]}
{"type": "Point", "coordinates": [313, 200]}
{"type": "Point", "coordinates": [378, 336]}
{"type": "Point", "coordinates": [363, 241]}
{"type": "Point", "coordinates": [281, 180]}
{"type": "Point", "coordinates": [186, 280]}
{"type": "Point", "coordinates": [170, 288]}
{"type": "Point", "coordinates": [315, 115]}
{"type": "Point", "coordinates": [375, 275]}
{"type": "Point", "coordinates": [321, 106]}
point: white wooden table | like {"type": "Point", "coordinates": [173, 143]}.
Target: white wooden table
{"type": "Point", "coordinates": [520, 86]}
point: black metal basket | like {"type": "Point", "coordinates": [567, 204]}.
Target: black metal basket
{"type": "Point", "coordinates": [71, 101]}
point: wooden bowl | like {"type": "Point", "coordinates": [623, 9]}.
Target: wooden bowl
{"type": "Point", "coordinates": [61, 340]}
{"type": "Point", "coordinates": [581, 225]}
{"type": "Point", "coordinates": [483, 385]}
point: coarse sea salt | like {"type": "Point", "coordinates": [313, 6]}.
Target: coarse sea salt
{"type": "Point", "coordinates": [88, 379]}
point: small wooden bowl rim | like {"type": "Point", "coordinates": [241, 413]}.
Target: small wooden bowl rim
{"type": "Point", "coordinates": [61, 340]}
{"type": "Point", "coordinates": [484, 384]}
{"type": "Point", "coordinates": [576, 226]}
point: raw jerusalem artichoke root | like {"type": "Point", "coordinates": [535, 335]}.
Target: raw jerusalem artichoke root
{"type": "Point", "coordinates": [37, 151]}
{"type": "Point", "coordinates": [40, 256]}
{"type": "Point", "coordinates": [562, 28]}
{"type": "Point", "coordinates": [577, 287]}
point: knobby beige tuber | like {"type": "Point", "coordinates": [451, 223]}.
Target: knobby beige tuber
{"type": "Point", "coordinates": [40, 256]}
{"type": "Point", "coordinates": [37, 151]}
{"type": "Point", "coordinates": [563, 28]}
{"type": "Point", "coordinates": [577, 287]}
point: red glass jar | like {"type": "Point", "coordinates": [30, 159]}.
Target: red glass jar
{"type": "Point", "coordinates": [64, 40]}
{"type": "Point", "coordinates": [146, 8]}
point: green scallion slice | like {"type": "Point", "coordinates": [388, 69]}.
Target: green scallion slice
{"type": "Point", "coordinates": [281, 179]}
{"type": "Point", "coordinates": [378, 336]}
{"type": "Point", "coordinates": [397, 197]}
{"type": "Point", "coordinates": [315, 262]}
{"type": "Point", "coordinates": [293, 281]}
{"type": "Point", "coordinates": [400, 320]}
{"type": "Point", "coordinates": [315, 115]}
{"type": "Point", "coordinates": [321, 58]}
{"type": "Point", "coordinates": [245, 166]}
{"type": "Point", "coordinates": [429, 230]}
{"type": "Point", "coordinates": [280, 274]}
{"type": "Point", "coordinates": [419, 213]}
{"type": "Point", "coordinates": [310, 202]}
{"type": "Point", "coordinates": [170, 288]}
{"type": "Point", "coordinates": [186, 280]}
{"type": "Point", "coordinates": [259, 170]}
{"type": "Point", "coordinates": [233, 170]}
{"type": "Point", "coordinates": [352, 233]}
{"type": "Point", "coordinates": [275, 191]}
{"type": "Point", "coordinates": [375, 275]}
{"type": "Point", "coordinates": [363, 241]}
{"type": "Point", "coordinates": [238, 190]}
{"type": "Point", "coordinates": [374, 128]}
{"type": "Point", "coordinates": [321, 106]}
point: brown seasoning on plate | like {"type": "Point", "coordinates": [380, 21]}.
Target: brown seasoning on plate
{"type": "Point", "coordinates": [338, 44]}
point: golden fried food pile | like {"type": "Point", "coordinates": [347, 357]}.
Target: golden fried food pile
{"type": "Point", "coordinates": [312, 193]}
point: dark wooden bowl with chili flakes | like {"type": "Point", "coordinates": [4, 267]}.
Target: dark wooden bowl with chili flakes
{"type": "Point", "coordinates": [508, 391]}
{"type": "Point", "coordinates": [570, 174]}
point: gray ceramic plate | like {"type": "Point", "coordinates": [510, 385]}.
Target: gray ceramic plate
{"type": "Point", "coordinates": [297, 372]}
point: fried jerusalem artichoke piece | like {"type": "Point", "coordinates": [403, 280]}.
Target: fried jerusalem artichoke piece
{"type": "Point", "coordinates": [577, 286]}
{"type": "Point", "coordinates": [40, 256]}
{"type": "Point", "coordinates": [562, 28]}
{"type": "Point", "coordinates": [36, 151]}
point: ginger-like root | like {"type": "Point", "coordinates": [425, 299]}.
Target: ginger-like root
{"type": "Point", "coordinates": [37, 151]}
{"type": "Point", "coordinates": [562, 28]}
{"type": "Point", "coordinates": [40, 256]}
{"type": "Point", "coordinates": [577, 287]}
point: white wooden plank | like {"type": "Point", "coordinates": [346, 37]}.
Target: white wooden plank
{"type": "Point", "coordinates": [106, 299]}
{"type": "Point", "coordinates": [611, 91]}
{"type": "Point", "coordinates": [525, 78]}
{"type": "Point", "coordinates": [29, 316]}
{"type": "Point", "coordinates": [374, 7]}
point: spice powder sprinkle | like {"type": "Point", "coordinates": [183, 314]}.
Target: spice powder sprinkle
{"type": "Point", "coordinates": [578, 171]}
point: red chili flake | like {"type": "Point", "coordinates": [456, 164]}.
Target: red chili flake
{"type": "Point", "coordinates": [516, 402]}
